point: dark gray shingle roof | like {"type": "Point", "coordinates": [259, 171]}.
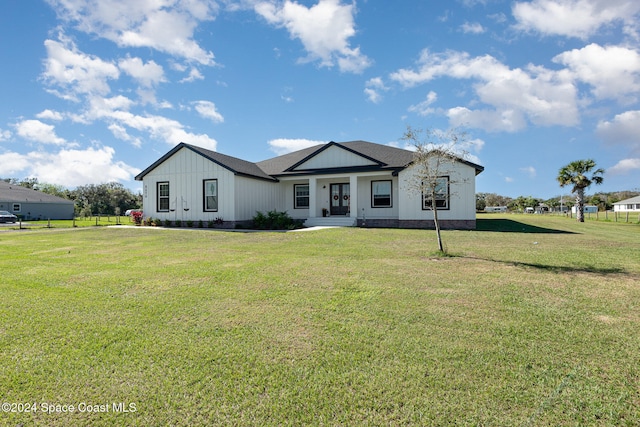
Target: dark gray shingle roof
{"type": "Point", "coordinates": [233, 164]}
{"type": "Point", "coordinates": [16, 193]}
{"type": "Point", "coordinates": [385, 157]}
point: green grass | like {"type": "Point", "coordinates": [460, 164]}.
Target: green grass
{"type": "Point", "coordinates": [530, 321]}
{"type": "Point", "coordinates": [79, 222]}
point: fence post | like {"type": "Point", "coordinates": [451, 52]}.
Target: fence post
{"type": "Point", "coordinates": [627, 217]}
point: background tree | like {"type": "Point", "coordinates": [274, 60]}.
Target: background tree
{"type": "Point", "coordinates": [580, 174]}
{"type": "Point", "coordinates": [481, 201]}
{"type": "Point", "coordinates": [435, 156]}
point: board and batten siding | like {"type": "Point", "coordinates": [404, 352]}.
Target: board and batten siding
{"type": "Point", "coordinates": [185, 171]}
{"type": "Point", "coordinates": [462, 196]}
{"type": "Point", "coordinates": [256, 195]}
{"type": "Point", "coordinates": [334, 157]}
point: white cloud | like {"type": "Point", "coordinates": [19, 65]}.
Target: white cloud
{"type": "Point", "coordinates": [75, 71]}
{"type": "Point", "coordinates": [529, 170]}
{"type": "Point", "coordinates": [624, 167]}
{"type": "Point", "coordinates": [472, 28]}
{"type": "Point", "coordinates": [324, 30]}
{"type": "Point", "coordinates": [284, 146]}
{"type": "Point", "coordinates": [373, 89]}
{"type": "Point", "coordinates": [542, 96]}
{"type": "Point", "coordinates": [69, 168]}
{"type": "Point", "coordinates": [623, 129]}
{"type": "Point", "coordinates": [37, 131]}
{"type": "Point", "coordinates": [167, 26]}
{"type": "Point", "coordinates": [4, 135]}
{"type": "Point", "coordinates": [49, 115]}
{"type": "Point", "coordinates": [207, 109]}
{"type": "Point", "coordinates": [148, 75]}
{"type": "Point", "coordinates": [612, 71]}
{"type": "Point", "coordinates": [573, 18]}
{"type": "Point", "coordinates": [491, 120]}
{"type": "Point", "coordinates": [194, 74]}
{"type": "Point", "coordinates": [424, 108]}
{"type": "Point", "coordinates": [114, 110]}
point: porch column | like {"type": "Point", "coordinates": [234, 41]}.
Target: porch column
{"type": "Point", "coordinates": [312, 198]}
{"type": "Point", "coordinates": [353, 202]}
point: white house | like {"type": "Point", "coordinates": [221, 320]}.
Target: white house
{"type": "Point", "coordinates": [347, 183]}
{"type": "Point", "coordinates": [627, 205]}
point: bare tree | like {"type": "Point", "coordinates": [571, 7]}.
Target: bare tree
{"type": "Point", "coordinates": [435, 157]}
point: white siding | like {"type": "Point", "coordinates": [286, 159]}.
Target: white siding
{"type": "Point", "coordinates": [335, 157]}
{"type": "Point", "coordinates": [364, 198]}
{"type": "Point", "coordinates": [254, 195]}
{"type": "Point", "coordinates": [289, 205]}
{"type": "Point", "coordinates": [185, 171]}
{"type": "Point", "coordinates": [462, 203]}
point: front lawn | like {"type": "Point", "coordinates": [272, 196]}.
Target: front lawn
{"type": "Point", "coordinates": [531, 321]}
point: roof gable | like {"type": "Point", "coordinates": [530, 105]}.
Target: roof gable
{"type": "Point", "coordinates": [343, 157]}
{"type": "Point", "coordinates": [332, 156]}
{"type": "Point", "coordinates": [233, 164]}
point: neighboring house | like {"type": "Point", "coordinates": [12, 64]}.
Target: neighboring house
{"type": "Point", "coordinates": [627, 205]}
{"type": "Point", "coordinates": [494, 209]}
{"type": "Point", "coordinates": [348, 183]}
{"type": "Point", "coordinates": [30, 204]}
{"type": "Point", "coordinates": [586, 209]}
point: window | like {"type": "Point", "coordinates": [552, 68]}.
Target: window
{"type": "Point", "coordinates": [442, 194]}
{"type": "Point", "coordinates": [163, 197]}
{"type": "Point", "coordinates": [17, 207]}
{"type": "Point", "coordinates": [380, 194]}
{"type": "Point", "coordinates": [301, 196]}
{"type": "Point", "coordinates": [210, 195]}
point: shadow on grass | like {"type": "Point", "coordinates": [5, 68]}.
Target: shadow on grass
{"type": "Point", "coordinates": [511, 226]}
{"type": "Point", "coordinates": [551, 268]}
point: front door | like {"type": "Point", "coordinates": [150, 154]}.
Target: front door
{"type": "Point", "coordinates": [340, 199]}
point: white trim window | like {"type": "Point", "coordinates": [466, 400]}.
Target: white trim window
{"type": "Point", "coordinates": [163, 196]}
{"type": "Point", "coordinates": [210, 195]}
{"type": "Point", "coordinates": [381, 194]}
{"type": "Point", "coordinates": [301, 196]}
{"type": "Point", "coordinates": [442, 194]}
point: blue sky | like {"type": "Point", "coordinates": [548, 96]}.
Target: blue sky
{"type": "Point", "coordinates": [94, 91]}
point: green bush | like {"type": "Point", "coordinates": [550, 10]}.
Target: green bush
{"type": "Point", "coordinates": [274, 220]}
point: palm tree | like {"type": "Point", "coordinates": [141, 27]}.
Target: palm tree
{"type": "Point", "coordinates": [575, 173]}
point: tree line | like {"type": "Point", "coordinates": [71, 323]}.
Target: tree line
{"type": "Point", "coordinates": [604, 201]}
{"type": "Point", "coordinates": [106, 199]}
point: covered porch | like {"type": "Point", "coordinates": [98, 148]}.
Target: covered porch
{"type": "Point", "coordinates": [342, 199]}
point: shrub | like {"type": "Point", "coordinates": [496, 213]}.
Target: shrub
{"type": "Point", "coordinates": [200, 224]}
{"type": "Point", "coordinates": [167, 223]}
{"type": "Point", "coordinates": [178, 223]}
{"type": "Point", "coordinates": [137, 217]}
{"type": "Point", "coordinates": [189, 223]}
{"type": "Point", "coordinates": [274, 220]}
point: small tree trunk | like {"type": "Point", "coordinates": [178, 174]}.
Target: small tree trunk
{"type": "Point", "coordinates": [580, 204]}
{"type": "Point", "coordinates": [436, 222]}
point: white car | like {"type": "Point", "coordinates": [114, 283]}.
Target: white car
{"type": "Point", "coordinates": [7, 217]}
